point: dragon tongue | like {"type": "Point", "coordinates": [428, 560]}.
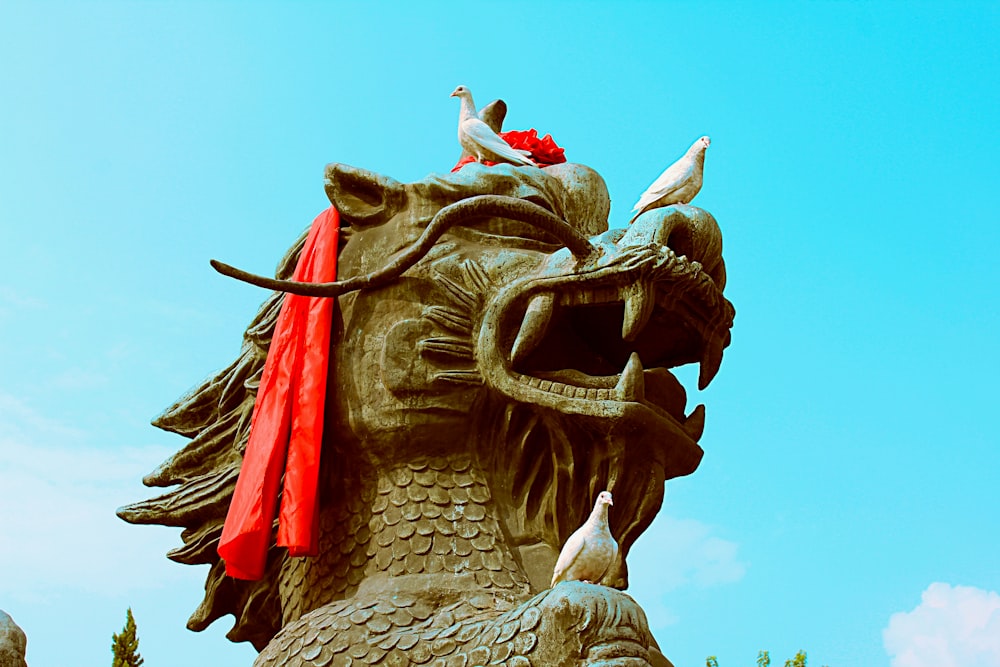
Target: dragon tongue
{"type": "Point", "coordinates": [631, 386]}
{"type": "Point", "coordinates": [639, 304]}
{"type": "Point", "coordinates": [536, 321]}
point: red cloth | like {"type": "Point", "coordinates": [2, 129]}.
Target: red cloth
{"type": "Point", "coordinates": [544, 151]}
{"type": "Point", "coordinates": [287, 428]}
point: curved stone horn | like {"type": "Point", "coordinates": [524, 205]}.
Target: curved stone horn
{"type": "Point", "coordinates": [457, 214]}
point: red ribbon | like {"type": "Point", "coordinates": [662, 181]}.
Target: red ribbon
{"type": "Point", "coordinates": [543, 151]}
{"type": "Point", "coordinates": [286, 432]}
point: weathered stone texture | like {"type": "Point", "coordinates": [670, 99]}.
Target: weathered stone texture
{"type": "Point", "coordinates": [498, 358]}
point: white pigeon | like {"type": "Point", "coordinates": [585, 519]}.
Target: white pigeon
{"type": "Point", "coordinates": [590, 551]}
{"type": "Point", "coordinates": [678, 184]}
{"type": "Point", "coordinates": [478, 139]}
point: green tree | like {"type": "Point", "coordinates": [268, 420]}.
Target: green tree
{"type": "Point", "coordinates": [764, 660]}
{"type": "Point", "coordinates": [125, 645]}
{"type": "Point", "coordinates": [798, 661]}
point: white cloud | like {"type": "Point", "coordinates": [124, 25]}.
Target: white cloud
{"type": "Point", "coordinates": [58, 497]}
{"type": "Point", "coordinates": [74, 379]}
{"type": "Point", "coordinates": [953, 626]}
{"type": "Point", "coordinates": [13, 302]}
{"type": "Point", "coordinates": [8, 295]}
{"type": "Point", "coordinates": [684, 552]}
{"type": "Point", "coordinates": [676, 553]}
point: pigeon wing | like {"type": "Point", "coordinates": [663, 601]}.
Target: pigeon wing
{"type": "Point", "coordinates": [610, 563]}
{"type": "Point", "coordinates": [570, 552]}
{"type": "Point", "coordinates": [669, 182]}
{"type": "Point", "coordinates": [490, 143]}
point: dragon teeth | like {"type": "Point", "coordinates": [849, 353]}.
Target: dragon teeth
{"type": "Point", "coordinates": [536, 321]}
{"type": "Point", "coordinates": [639, 301]}
{"type": "Point", "coordinates": [694, 423]}
{"type": "Point", "coordinates": [567, 390]}
{"type": "Point", "coordinates": [631, 386]}
{"type": "Point", "coordinates": [711, 359]}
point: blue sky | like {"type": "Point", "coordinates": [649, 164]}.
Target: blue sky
{"type": "Point", "coordinates": [847, 501]}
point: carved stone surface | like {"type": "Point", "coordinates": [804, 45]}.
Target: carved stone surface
{"type": "Point", "coordinates": [13, 642]}
{"type": "Point", "coordinates": [444, 621]}
{"type": "Point", "coordinates": [482, 392]}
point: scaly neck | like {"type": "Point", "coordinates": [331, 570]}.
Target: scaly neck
{"type": "Point", "coordinates": [430, 516]}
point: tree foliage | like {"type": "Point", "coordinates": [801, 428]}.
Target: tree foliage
{"type": "Point", "coordinates": [125, 645]}
{"type": "Point", "coordinates": [764, 660]}
{"type": "Point", "coordinates": [798, 661]}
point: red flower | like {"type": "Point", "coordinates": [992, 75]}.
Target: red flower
{"type": "Point", "coordinates": [543, 151]}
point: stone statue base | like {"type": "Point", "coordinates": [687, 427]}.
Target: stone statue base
{"type": "Point", "coordinates": [440, 620]}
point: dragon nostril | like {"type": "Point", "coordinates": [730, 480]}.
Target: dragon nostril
{"type": "Point", "coordinates": [679, 240]}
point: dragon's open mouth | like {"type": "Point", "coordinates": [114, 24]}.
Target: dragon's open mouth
{"type": "Point", "coordinates": [614, 337]}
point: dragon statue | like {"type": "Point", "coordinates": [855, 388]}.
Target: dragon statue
{"type": "Point", "coordinates": [498, 357]}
